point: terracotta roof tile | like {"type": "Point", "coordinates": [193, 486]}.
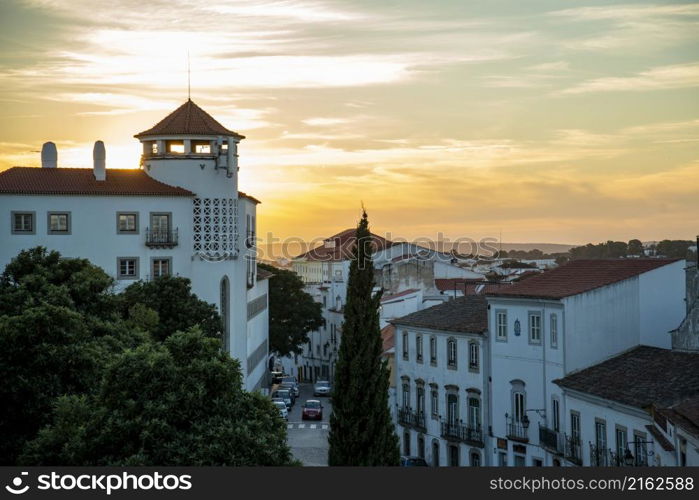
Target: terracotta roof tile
{"type": "Point", "coordinates": [81, 181]}
{"type": "Point", "coordinates": [685, 414]}
{"type": "Point", "coordinates": [247, 196]}
{"type": "Point", "coordinates": [467, 314]}
{"type": "Point", "coordinates": [641, 377]}
{"type": "Point", "coordinates": [344, 241]}
{"type": "Point", "coordinates": [390, 297]}
{"type": "Point", "coordinates": [580, 276]}
{"type": "Point", "coordinates": [388, 337]}
{"type": "Point", "coordinates": [188, 119]}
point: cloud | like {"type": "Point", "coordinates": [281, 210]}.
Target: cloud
{"type": "Point", "coordinates": [322, 122]}
{"type": "Point", "coordinates": [660, 78]}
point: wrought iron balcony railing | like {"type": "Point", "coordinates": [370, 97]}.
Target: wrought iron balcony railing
{"type": "Point", "coordinates": [552, 440]}
{"type": "Point", "coordinates": [516, 429]}
{"type": "Point", "coordinates": [161, 238]}
{"type": "Point", "coordinates": [411, 418]}
{"type": "Point", "coordinates": [573, 449]}
{"type": "Point", "coordinates": [457, 431]}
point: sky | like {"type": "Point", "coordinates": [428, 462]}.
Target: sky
{"type": "Point", "coordinates": [543, 121]}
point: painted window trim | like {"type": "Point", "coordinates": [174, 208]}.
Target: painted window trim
{"type": "Point", "coordinates": [135, 231]}
{"type": "Point", "coordinates": [152, 266]}
{"type": "Point", "coordinates": [69, 222]}
{"type": "Point", "coordinates": [138, 268]}
{"type": "Point", "coordinates": [498, 337]}
{"type": "Point", "coordinates": [22, 212]}
{"type": "Point", "coordinates": [530, 315]}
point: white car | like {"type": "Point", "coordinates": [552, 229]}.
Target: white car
{"type": "Point", "coordinates": [281, 406]}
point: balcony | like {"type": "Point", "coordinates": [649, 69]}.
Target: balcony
{"type": "Point", "coordinates": [573, 449]}
{"type": "Point", "coordinates": [408, 417]}
{"type": "Point", "coordinates": [459, 432]}
{"type": "Point", "coordinates": [552, 440]}
{"type": "Point", "coordinates": [604, 457]}
{"type": "Point", "coordinates": [516, 430]}
{"type": "Point", "coordinates": [161, 239]}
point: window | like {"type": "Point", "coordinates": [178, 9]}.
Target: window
{"type": "Point", "coordinates": [435, 453]}
{"type": "Point", "coordinates": [534, 328]}
{"type": "Point", "coordinates": [640, 449]}
{"type": "Point", "coordinates": [575, 426]}
{"type": "Point", "coordinates": [225, 305]}
{"type": "Point", "coordinates": [556, 418]}
{"type": "Point", "coordinates": [502, 459]}
{"type": "Point", "coordinates": [537, 462]}
{"type": "Point", "coordinates": [127, 222]}
{"type": "Point", "coordinates": [600, 441]}
{"type": "Point", "coordinates": [473, 357]}
{"type": "Point", "coordinates": [160, 223]}
{"type": "Point", "coordinates": [621, 444]}
{"type": "Point", "coordinates": [176, 147]}
{"type": "Point", "coordinates": [421, 447]}
{"type": "Point", "coordinates": [418, 348]}
{"type": "Point", "coordinates": [405, 345]}
{"type": "Point", "coordinates": [518, 405]}
{"type": "Point", "coordinates": [554, 331]}
{"type": "Point", "coordinates": [154, 148]}
{"type": "Point", "coordinates": [201, 147]}
{"type": "Point", "coordinates": [420, 393]}
{"type": "Point", "coordinates": [474, 413]}
{"type": "Point", "coordinates": [58, 223]}
{"type": "Point", "coordinates": [452, 409]}
{"type": "Point", "coordinates": [23, 223]}
{"type": "Point", "coordinates": [406, 443]}
{"type": "Point", "coordinates": [451, 353]}
{"type": "Point", "coordinates": [406, 395]}
{"type": "Point", "coordinates": [161, 267]}
{"type": "Point", "coordinates": [501, 324]}
{"type": "Point", "coordinates": [433, 350]}
{"type": "Point", "coordinates": [127, 268]}
{"type": "Point", "coordinates": [434, 403]}
{"type": "Point", "coordinates": [453, 456]}
{"type": "Point", "coordinates": [475, 459]}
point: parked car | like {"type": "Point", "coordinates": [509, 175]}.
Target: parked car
{"type": "Point", "coordinates": [285, 395]}
{"type": "Point", "coordinates": [290, 388]}
{"type": "Point", "coordinates": [321, 388]}
{"type": "Point", "coordinates": [412, 462]}
{"type": "Point", "coordinates": [283, 412]}
{"type": "Point", "coordinates": [290, 379]}
{"type": "Point", "coordinates": [312, 410]}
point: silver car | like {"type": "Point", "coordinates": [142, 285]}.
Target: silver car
{"type": "Point", "coordinates": [322, 388]}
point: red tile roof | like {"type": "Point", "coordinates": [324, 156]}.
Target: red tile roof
{"type": "Point", "coordinates": [467, 314]}
{"type": "Point", "coordinates": [389, 297]}
{"type": "Point", "coordinates": [344, 241]}
{"type": "Point", "coordinates": [188, 119]}
{"type": "Point", "coordinates": [251, 198]}
{"type": "Point", "coordinates": [388, 338]}
{"type": "Point", "coordinates": [579, 276]}
{"type": "Point", "coordinates": [81, 181]}
{"type": "Point", "coordinates": [641, 377]}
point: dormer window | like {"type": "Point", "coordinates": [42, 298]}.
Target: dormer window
{"type": "Point", "coordinates": [176, 147]}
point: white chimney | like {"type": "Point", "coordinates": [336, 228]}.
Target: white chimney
{"type": "Point", "coordinates": [49, 155]}
{"type": "Point", "coordinates": [98, 157]}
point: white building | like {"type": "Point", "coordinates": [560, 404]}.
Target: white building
{"type": "Point", "coordinates": [638, 408]}
{"type": "Point", "coordinates": [180, 213]}
{"type": "Point", "coordinates": [440, 377]}
{"type": "Point", "coordinates": [561, 321]}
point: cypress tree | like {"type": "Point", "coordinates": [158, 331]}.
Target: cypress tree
{"type": "Point", "coordinates": [361, 429]}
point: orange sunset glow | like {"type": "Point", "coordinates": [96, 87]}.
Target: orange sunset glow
{"type": "Point", "coordinates": [548, 121]}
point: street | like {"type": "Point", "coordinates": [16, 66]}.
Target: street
{"type": "Point", "coordinates": [308, 439]}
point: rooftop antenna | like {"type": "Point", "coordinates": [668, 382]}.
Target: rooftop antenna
{"type": "Point", "coordinates": [189, 79]}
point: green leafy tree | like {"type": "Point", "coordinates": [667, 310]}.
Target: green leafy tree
{"type": "Point", "coordinates": [58, 326]}
{"type": "Point", "coordinates": [176, 306]}
{"type": "Point", "coordinates": [635, 247]}
{"type": "Point", "coordinates": [292, 312]}
{"type": "Point", "coordinates": [179, 402]}
{"type": "Point", "coordinates": [361, 429]}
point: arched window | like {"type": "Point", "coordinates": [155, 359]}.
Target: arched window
{"type": "Point", "coordinates": [225, 316]}
{"type": "Point", "coordinates": [475, 459]}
